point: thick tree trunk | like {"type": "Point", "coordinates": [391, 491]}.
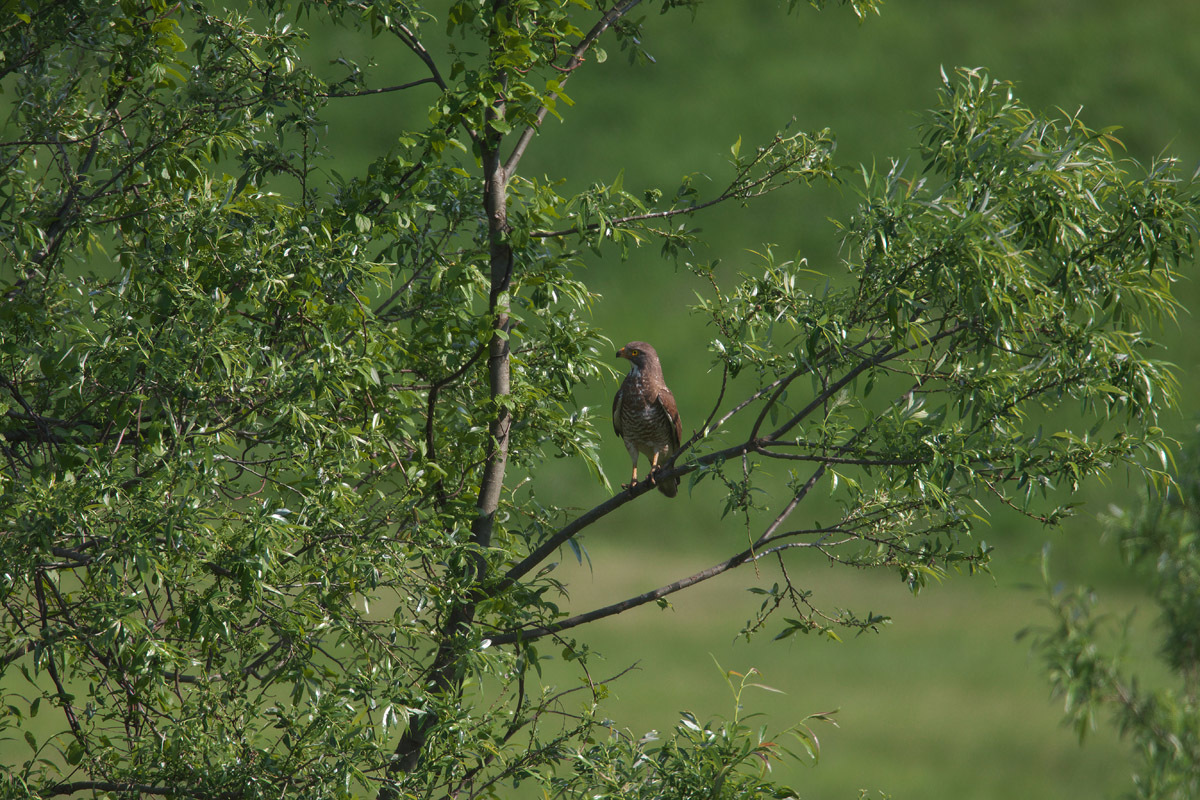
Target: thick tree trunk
{"type": "Point", "coordinates": [445, 674]}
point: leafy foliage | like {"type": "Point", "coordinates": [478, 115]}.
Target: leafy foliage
{"type": "Point", "coordinates": [720, 759]}
{"type": "Point", "coordinates": [272, 436]}
{"type": "Point", "coordinates": [1159, 541]}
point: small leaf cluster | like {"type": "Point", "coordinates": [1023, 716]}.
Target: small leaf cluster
{"type": "Point", "coordinates": [724, 758]}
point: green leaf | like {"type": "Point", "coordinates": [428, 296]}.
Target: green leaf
{"type": "Point", "coordinates": [75, 752]}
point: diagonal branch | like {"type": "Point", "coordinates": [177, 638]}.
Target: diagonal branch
{"type": "Point", "coordinates": [75, 787]}
{"type": "Point", "coordinates": [745, 557]}
{"type": "Point", "coordinates": [382, 90]}
{"type": "Point", "coordinates": [610, 17]}
{"type": "Point", "coordinates": [742, 186]}
{"type": "Point", "coordinates": [729, 193]}
{"type": "Point", "coordinates": [884, 355]}
{"type": "Point", "coordinates": [703, 430]}
{"type": "Point", "coordinates": [573, 527]}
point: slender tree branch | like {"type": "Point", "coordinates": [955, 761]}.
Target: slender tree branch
{"type": "Point", "coordinates": [410, 40]}
{"type": "Point", "coordinates": [758, 395]}
{"type": "Point", "coordinates": [75, 787]}
{"type": "Point", "coordinates": [736, 188]}
{"type": "Point", "coordinates": [649, 215]}
{"type": "Point", "coordinates": [846, 460]}
{"type": "Point", "coordinates": [886, 354]}
{"type": "Point", "coordinates": [381, 90]}
{"type": "Point", "coordinates": [745, 557]}
{"type": "Point", "coordinates": [704, 429]}
{"type": "Point", "coordinates": [780, 386]}
{"type": "Point", "coordinates": [573, 527]}
{"type": "Point", "coordinates": [604, 23]}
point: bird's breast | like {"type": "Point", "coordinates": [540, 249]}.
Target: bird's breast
{"type": "Point", "coordinates": [642, 418]}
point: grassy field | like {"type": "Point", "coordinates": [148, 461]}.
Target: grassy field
{"type": "Point", "coordinates": [942, 703]}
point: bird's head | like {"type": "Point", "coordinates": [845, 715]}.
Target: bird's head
{"type": "Point", "coordinates": [639, 354]}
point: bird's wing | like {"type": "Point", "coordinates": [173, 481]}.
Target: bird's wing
{"type": "Point", "coordinates": [666, 401]}
{"type": "Point", "coordinates": [616, 412]}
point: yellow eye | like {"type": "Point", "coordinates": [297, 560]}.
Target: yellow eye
{"type": "Point", "coordinates": [634, 352]}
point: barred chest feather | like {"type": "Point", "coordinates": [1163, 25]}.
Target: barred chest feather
{"type": "Point", "coordinates": [641, 418]}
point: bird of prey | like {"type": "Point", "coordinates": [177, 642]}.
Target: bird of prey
{"type": "Point", "coordinates": [644, 414]}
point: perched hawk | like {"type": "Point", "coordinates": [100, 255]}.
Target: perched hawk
{"type": "Point", "coordinates": [644, 414]}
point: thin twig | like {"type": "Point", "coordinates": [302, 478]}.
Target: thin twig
{"type": "Point", "coordinates": [604, 23]}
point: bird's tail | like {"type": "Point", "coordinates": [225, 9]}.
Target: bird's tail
{"type": "Point", "coordinates": [669, 486]}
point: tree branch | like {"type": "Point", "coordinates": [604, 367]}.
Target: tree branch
{"type": "Point", "coordinates": [382, 90]}
{"type": "Point", "coordinates": [664, 214]}
{"type": "Point", "coordinates": [739, 187]}
{"type": "Point", "coordinates": [745, 557]}
{"type": "Point", "coordinates": [604, 23]}
{"type": "Point", "coordinates": [114, 786]}
{"type": "Point", "coordinates": [445, 674]}
{"type": "Point", "coordinates": [884, 355]}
